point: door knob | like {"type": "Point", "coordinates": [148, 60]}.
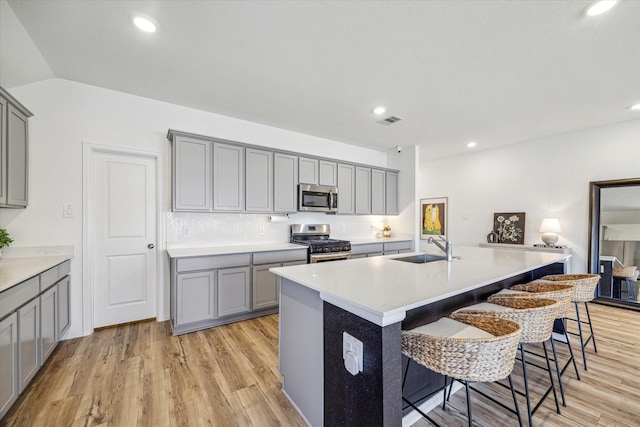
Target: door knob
{"type": "Point", "coordinates": [151, 246]}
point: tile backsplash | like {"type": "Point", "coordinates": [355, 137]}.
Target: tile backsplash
{"type": "Point", "coordinates": [214, 229]}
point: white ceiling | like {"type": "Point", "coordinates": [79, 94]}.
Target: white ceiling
{"type": "Point", "coordinates": [497, 72]}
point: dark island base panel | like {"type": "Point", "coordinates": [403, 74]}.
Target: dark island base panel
{"type": "Point", "coordinates": [374, 396]}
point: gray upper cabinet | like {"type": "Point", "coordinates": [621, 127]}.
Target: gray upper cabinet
{"type": "Point", "coordinates": [14, 152]}
{"type": "Point", "coordinates": [363, 190]}
{"type": "Point", "coordinates": [307, 170]}
{"type": "Point", "coordinates": [285, 183]}
{"type": "Point", "coordinates": [259, 180]}
{"type": "Point", "coordinates": [346, 189]}
{"type": "Point", "coordinates": [228, 177]}
{"type": "Point", "coordinates": [378, 193]}
{"type": "Point", "coordinates": [328, 173]}
{"type": "Point", "coordinates": [391, 191]}
{"type": "Point", "coordinates": [192, 174]}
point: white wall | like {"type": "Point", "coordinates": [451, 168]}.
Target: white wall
{"type": "Point", "coordinates": [68, 114]}
{"type": "Point", "coordinates": [545, 177]}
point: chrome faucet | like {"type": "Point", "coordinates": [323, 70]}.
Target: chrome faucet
{"type": "Point", "coordinates": [447, 248]}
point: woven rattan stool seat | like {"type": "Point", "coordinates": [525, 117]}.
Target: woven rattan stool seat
{"type": "Point", "coordinates": [584, 284]}
{"type": "Point", "coordinates": [563, 292]}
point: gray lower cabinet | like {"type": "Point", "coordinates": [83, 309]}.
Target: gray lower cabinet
{"type": "Point", "coordinates": [195, 297]}
{"type": "Point", "coordinates": [363, 190]}
{"type": "Point", "coordinates": [192, 174]}
{"type": "Point", "coordinates": [285, 183]}
{"type": "Point", "coordinates": [28, 338]}
{"type": "Point", "coordinates": [228, 177]}
{"type": "Point", "coordinates": [266, 293]}
{"type": "Point", "coordinates": [9, 366]}
{"type": "Point", "coordinates": [380, 248]}
{"type": "Point", "coordinates": [234, 291]}
{"type": "Point", "coordinates": [391, 193]}
{"type": "Point", "coordinates": [346, 189]}
{"type": "Point", "coordinates": [259, 180]}
{"type": "Point", "coordinates": [64, 305]}
{"type": "Point", "coordinates": [378, 193]}
{"type": "Point", "coordinates": [48, 323]}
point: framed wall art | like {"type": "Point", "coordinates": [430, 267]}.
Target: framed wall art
{"type": "Point", "coordinates": [509, 226]}
{"type": "Point", "coordinates": [433, 218]}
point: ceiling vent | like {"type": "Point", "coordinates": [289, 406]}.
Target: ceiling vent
{"type": "Point", "coordinates": [389, 120]}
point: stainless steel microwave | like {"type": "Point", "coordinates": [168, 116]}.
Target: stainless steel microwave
{"type": "Point", "coordinates": [317, 198]}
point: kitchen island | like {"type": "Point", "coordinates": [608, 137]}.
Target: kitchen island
{"type": "Point", "coordinates": [373, 299]}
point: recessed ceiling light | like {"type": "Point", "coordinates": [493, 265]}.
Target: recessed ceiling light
{"type": "Point", "coordinates": [601, 7]}
{"type": "Point", "coordinates": [381, 109]}
{"type": "Point", "coordinates": [471, 144]}
{"type": "Point", "coordinates": [635, 107]}
{"type": "Point", "coordinates": [145, 24]}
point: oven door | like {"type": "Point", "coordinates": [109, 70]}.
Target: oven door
{"type": "Point", "coordinates": [317, 198]}
{"type": "Point", "coordinates": [332, 256]}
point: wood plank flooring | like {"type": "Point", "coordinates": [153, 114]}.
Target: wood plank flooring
{"type": "Point", "coordinates": [140, 375]}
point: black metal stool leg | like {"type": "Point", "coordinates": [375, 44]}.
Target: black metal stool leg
{"type": "Point", "coordinates": [555, 358]}
{"type": "Point", "coordinates": [593, 337]}
{"type": "Point", "coordinates": [573, 359]}
{"type": "Point", "coordinates": [444, 392]}
{"type": "Point", "coordinates": [515, 401]}
{"type": "Point", "coordinates": [584, 355]}
{"type": "Point", "coordinates": [553, 387]}
{"type": "Point", "coordinates": [526, 384]}
{"type": "Point", "coordinates": [406, 371]}
{"type": "Point", "coordinates": [466, 384]}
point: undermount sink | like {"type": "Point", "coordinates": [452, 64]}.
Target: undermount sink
{"type": "Point", "coordinates": [421, 259]}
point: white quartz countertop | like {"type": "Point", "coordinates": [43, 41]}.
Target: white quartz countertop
{"type": "Point", "coordinates": [17, 270]}
{"type": "Point", "coordinates": [382, 290]}
{"type": "Point", "coordinates": [231, 249]}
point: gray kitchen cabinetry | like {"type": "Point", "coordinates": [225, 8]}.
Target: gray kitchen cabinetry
{"type": "Point", "coordinates": [9, 366]}
{"type": "Point", "coordinates": [14, 152]}
{"type": "Point", "coordinates": [266, 293]}
{"type": "Point", "coordinates": [234, 291]}
{"type": "Point", "coordinates": [363, 190]}
{"type": "Point", "coordinates": [64, 306]}
{"type": "Point", "coordinates": [397, 247]}
{"type": "Point", "coordinates": [259, 180]}
{"type": "Point", "coordinates": [328, 173]}
{"type": "Point", "coordinates": [194, 298]}
{"type": "Point", "coordinates": [48, 323]}
{"type": "Point", "coordinates": [308, 170]}
{"type": "Point", "coordinates": [192, 174]}
{"type": "Point", "coordinates": [380, 248]}
{"type": "Point", "coordinates": [391, 193]}
{"type": "Point", "coordinates": [346, 189]}
{"type": "Point", "coordinates": [378, 192]}
{"type": "Point", "coordinates": [28, 337]}
{"type": "Point", "coordinates": [285, 183]}
{"type": "Point", "coordinates": [228, 177]}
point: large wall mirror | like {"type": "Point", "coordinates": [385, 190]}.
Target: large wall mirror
{"type": "Point", "coordinates": [614, 235]}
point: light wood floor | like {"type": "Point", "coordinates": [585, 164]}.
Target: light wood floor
{"type": "Point", "coordinates": [141, 375]}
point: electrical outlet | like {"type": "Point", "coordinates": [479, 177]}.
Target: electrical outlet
{"type": "Point", "coordinates": [68, 211]}
{"type": "Point", "coordinates": [352, 353]}
{"type": "Point", "coordinates": [261, 230]}
{"type": "Point", "coordinates": [186, 232]}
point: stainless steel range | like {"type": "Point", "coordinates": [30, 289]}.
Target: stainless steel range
{"type": "Point", "coordinates": [321, 247]}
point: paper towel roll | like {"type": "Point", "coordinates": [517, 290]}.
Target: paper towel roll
{"type": "Point", "coordinates": [278, 218]}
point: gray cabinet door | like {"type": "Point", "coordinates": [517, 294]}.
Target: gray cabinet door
{"type": "Point", "coordinates": [234, 291]}
{"type": "Point", "coordinates": [64, 315]}
{"type": "Point", "coordinates": [392, 193]}
{"type": "Point", "coordinates": [195, 297]}
{"type": "Point", "coordinates": [378, 193]}
{"type": "Point", "coordinates": [265, 287]}
{"type": "Point", "coordinates": [9, 364]}
{"type": "Point", "coordinates": [192, 175]}
{"type": "Point", "coordinates": [285, 183]}
{"type": "Point", "coordinates": [228, 177]}
{"type": "Point", "coordinates": [328, 173]}
{"type": "Point", "coordinates": [259, 180]}
{"type": "Point", "coordinates": [346, 189]}
{"type": "Point", "coordinates": [17, 158]}
{"type": "Point", "coordinates": [48, 323]}
{"type": "Point", "coordinates": [3, 150]}
{"type": "Point", "coordinates": [28, 337]}
{"type": "Point", "coordinates": [363, 190]}
{"type": "Point", "coordinates": [307, 170]}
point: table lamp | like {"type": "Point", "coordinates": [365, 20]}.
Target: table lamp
{"type": "Point", "coordinates": [550, 227]}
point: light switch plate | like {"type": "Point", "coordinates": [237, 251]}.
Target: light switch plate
{"type": "Point", "coordinates": [68, 211]}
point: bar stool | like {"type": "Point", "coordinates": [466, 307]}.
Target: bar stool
{"type": "Point", "coordinates": [471, 348]}
{"type": "Point", "coordinates": [585, 285]}
{"type": "Point", "coordinates": [563, 293]}
{"type": "Point", "coordinates": [536, 315]}
{"type": "Point", "coordinates": [629, 274]}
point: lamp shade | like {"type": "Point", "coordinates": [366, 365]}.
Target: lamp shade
{"type": "Point", "coordinates": [550, 225]}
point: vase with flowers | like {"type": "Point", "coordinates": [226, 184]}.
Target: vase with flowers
{"type": "Point", "coordinates": [386, 231]}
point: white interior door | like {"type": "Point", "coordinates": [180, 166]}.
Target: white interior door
{"type": "Point", "coordinates": [124, 238]}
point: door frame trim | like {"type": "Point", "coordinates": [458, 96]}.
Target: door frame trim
{"type": "Point", "coordinates": [89, 150]}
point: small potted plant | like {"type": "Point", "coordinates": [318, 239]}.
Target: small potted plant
{"type": "Point", "coordinates": [5, 240]}
{"type": "Point", "coordinates": [386, 231]}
